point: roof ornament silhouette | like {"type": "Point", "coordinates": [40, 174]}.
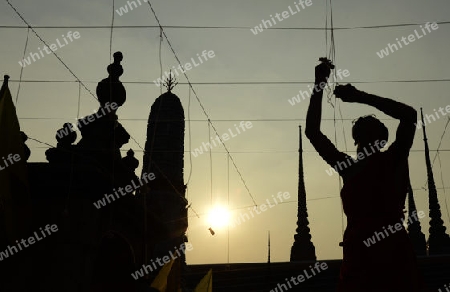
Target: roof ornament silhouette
{"type": "Point", "coordinates": [111, 89]}
{"type": "Point", "coordinates": [170, 82]}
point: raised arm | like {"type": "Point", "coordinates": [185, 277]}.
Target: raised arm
{"type": "Point", "coordinates": [405, 113]}
{"type": "Point", "coordinates": [321, 143]}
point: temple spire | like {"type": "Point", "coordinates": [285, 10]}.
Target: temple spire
{"type": "Point", "coordinates": [414, 229]}
{"type": "Point", "coordinates": [268, 247]}
{"type": "Point", "coordinates": [302, 249]}
{"type": "Point", "coordinates": [439, 241]}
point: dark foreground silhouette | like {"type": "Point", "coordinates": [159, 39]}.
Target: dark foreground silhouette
{"type": "Point", "coordinates": [374, 192]}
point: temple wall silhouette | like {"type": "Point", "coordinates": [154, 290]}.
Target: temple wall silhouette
{"type": "Point", "coordinates": [131, 228]}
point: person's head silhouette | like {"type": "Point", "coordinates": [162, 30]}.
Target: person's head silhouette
{"type": "Point", "coordinates": [367, 130]}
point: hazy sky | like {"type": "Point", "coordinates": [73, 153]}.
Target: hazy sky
{"type": "Point", "coordinates": [266, 154]}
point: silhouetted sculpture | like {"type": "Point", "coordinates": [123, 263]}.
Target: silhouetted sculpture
{"type": "Point", "coordinates": [374, 192]}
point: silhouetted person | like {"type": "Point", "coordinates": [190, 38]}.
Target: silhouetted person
{"type": "Point", "coordinates": [374, 192]}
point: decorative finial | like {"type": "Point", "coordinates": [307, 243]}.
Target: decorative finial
{"type": "Point", "coordinates": [115, 70]}
{"type": "Point", "coordinates": [5, 80]}
{"type": "Point", "coordinates": [111, 89]}
{"type": "Point", "coordinates": [170, 83]}
{"type": "Point", "coordinates": [66, 135]}
{"type": "Point", "coordinates": [130, 161]}
{"type": "Point", "coordinates": [118, 57]}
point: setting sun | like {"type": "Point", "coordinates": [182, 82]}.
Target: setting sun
{"type": "Point", "coordinates": [218, 217]}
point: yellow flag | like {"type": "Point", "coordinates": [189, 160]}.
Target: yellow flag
{"type": "Point", "coordinates": [14, 189]}
{"type": "Point", "coordinates": [174, 278]}
{"type": "Point", "coordinates": [160, 281]}
{"type": "Point", "coordinates": [205, 284]}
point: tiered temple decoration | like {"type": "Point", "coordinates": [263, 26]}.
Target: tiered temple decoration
{"type": "Point", "coordinates": [102, 134]}
{"type": "Point", "coordinates": [414, 229]}
{"type": "Point", "coordinates": [438, 241]}
{"type": "Point", "coordinates": [302, 249]}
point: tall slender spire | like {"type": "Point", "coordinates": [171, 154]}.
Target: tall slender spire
{"type": "Point", "coordinates": [414, 229]}
{"type": "Point", "coordinates": [302, 249]}
{"type": "Point", "coordinates": [268, 247]}
{"type": "Point", "coordinates": [439, 241]}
